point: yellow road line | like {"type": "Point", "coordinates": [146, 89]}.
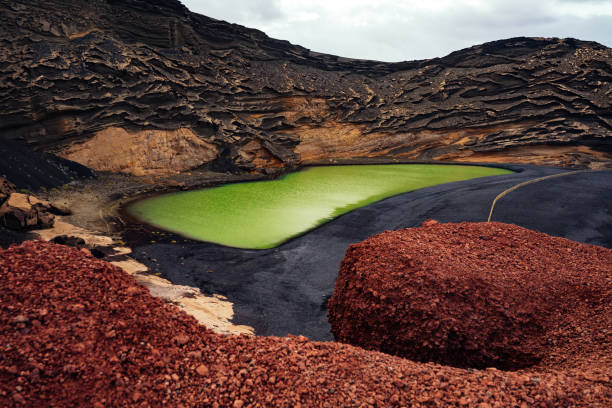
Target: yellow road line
{"type": "Point", "coordinates": [524, 183]}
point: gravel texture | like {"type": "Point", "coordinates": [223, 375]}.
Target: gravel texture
{"type": "Point", "coordinates": [77, 331]}
{"type": "Point", "coordinates": [477, 295]}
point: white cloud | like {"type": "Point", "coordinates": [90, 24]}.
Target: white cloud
{"type": "Point", "coordinates": [394, 30]}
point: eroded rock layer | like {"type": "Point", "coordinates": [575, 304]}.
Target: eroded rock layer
{"type": "Point", "coordinates": [476, 295]}
{"type": "Point", "coordinates": [142, 152]}
{"type": "Point", "coordinates": [74, 69]}
{"type": "Point", "coordinates": [72, 323]}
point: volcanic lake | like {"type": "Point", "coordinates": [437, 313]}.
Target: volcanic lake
{"type": "Point", "coordinates": [264, 214]}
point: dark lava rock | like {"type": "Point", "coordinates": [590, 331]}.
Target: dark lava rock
{"type": "Point", "coordinates": [9, 237]}
{"type": "Point", "coordinates": [6, 189]}
{"type": "Point", "coordinates": [102, 252]}
{"type": "Point", "coordinates": [474, 295]}
{"type": "Point", "coordinates": [120, 69]}
{"type": "Point", "coordinates": [69, 241]}
{"type": "Point", "coordinates": [99, 252]}
{"type": "Point", "coordinates": [31, 170]}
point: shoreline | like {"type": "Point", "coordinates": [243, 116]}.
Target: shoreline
{"type": "Point", "coordinates": [129, 221]}
{"type": "Point", "coordinates": [178, 259]}
{"type": "Point", "coordinates": [285, 289]}
{"type": "Point", "coordinates": [214, 311]}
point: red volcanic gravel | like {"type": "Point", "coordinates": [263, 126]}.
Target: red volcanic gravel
{"type": "Point", "coordinates": [77, 331]}
{"type": "Point", "coordinates": [477, 295]}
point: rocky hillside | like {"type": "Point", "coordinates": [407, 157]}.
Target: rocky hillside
{"type": "Point", "coordinates": [72, 323]}
{"type": "Point", "coordinates": [177, 90]}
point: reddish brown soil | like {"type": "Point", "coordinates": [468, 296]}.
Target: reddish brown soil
{"type": "Point", "coordinates": [76, 331]}
{"type": "Point", "coordinates": [477, 295]}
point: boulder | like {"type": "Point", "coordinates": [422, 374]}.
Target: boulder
{"type": "Point", "coordinates": [23, 211]}
{"type": "Point", "coordinates": [59, 209]}
{"type": "Point", "coordinates": [69, 240]}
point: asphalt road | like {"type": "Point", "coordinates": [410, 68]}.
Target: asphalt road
{"type": "Point", "coordinates": [285, 290]}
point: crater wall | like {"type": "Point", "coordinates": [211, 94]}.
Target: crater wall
{"type": "Point", "coordinates": [71, 70]}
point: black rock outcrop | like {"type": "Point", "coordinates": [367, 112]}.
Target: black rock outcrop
{"type": "Point", "coordinates": [148, 87]}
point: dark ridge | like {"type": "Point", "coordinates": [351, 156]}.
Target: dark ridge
{"type": "Point", "coordinates": [32, 170]}
{"type": "Point", "coordinates": [71, 69]}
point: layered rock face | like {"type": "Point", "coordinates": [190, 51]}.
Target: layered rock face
{"type": "Point", "coordinates": [151, 72]}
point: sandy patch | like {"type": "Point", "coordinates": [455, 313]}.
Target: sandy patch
{"type": "Point", "coordinates": [214, 312]}
{"type": "Point", "coordinates": [61, 227]}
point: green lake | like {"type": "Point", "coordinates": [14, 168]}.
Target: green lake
{"type": "Point", "coordinates": [264, 214]}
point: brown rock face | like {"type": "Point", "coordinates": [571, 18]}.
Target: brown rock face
{"type": "Point", "coordinates": [475, 295]}
{"type": "Point", "coordinates": [23, 211]}
{"type": "Point", "coordinates": [142, 152]}
{"type": "Point", "coordinates": [77, 73]}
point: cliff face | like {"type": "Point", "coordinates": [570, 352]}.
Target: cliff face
{"type": "Point", "coordinates": [80, 77]}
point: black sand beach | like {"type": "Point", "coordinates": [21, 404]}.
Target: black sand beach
{"type": "Point", "coordinates": [285, 289]}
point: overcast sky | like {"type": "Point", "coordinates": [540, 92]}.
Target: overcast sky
{"type": "Point", "coordinates": [397, 30]}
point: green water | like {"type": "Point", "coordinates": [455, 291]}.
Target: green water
{"type": "Point", "coordinates": [264, 214]}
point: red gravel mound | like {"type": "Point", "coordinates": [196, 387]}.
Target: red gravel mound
{"type": "Point", "coordinates": [476, 295]}
{"type": "Point", "coordinates": [77, 331]}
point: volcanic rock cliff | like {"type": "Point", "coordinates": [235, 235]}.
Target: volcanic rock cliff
{"type": "Point", "coordinates": [147, 87]}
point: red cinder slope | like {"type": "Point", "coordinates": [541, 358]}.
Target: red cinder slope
{"type": "Point", "coordinates": [76, 331]}
{"type": "Point", "coordinates": [477, 295]}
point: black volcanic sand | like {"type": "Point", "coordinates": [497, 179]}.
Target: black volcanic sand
{"type": "Point", "coordinates": [285, 289]}
{"type": "Point", "coordinates": [8, 237]}
{"type": "Point", "coordinates": [576, 206]}
{"type": "Point", "coordinates": [31, 170]}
